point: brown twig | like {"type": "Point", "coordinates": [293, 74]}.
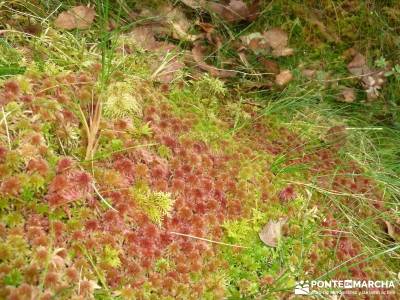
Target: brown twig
{"type": "Point", "coordinates": [207, 240]}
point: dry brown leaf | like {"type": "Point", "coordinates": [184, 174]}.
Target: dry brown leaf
{"type": "Point", "coordinates": [282, 52]}
{"type": "Point", "coordinates": [284, 77]}
{"type": "Point", "coordinates": [198, 56]}
{"type": "Point", "coordinates": [78, 17]}
{"type": "Point", "coordinates": [277, 39]}
{"type": "Point", "coordinates": [269, 65]}
{"type": "Point", "coordinates": [372, 80]}
{"type": "Point", "coordinates": [309, 73]}
{"type": "Point", "coordinates": [195, 4]}
{"type": "Point", "coordinates": [272, 232]}
{"type": "Point", "coordinates": [390, 229]}
{"type": "Point", "coordinates": [144, 37]}
{"type": "Point", "coordinates": [206, 27]}
{"type": "Point", "coordinates": [274, 39]}
{"type": "Point", "coordinates": [358, 65]}
{"type": "Point", "coordinates": [177, 21]}
{"type": "Point", "coordinates": [235, 11]}
{"type": "Point", "coordinates": [168, 73]}
{"type": "Point", "coordinates": [393, 230]}
{"type": "Point", "coordinates": [164, 69]}
{"type": "Point", "coordinates": [348, 95]}
{"type": "Point", "coordinates": [251, 85]}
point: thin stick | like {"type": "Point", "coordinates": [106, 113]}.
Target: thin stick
{"type": "Point", "coordinates": [207, 240]}
{"type": "Point", "coordinates": [6, 125]}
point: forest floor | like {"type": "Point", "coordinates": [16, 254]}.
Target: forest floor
{"type": "Point", "coordinates": [199, 149]}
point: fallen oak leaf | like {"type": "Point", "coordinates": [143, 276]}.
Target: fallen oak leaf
{"type": "Point", "coordinates": [274, 39]}
{"type": "Point", "coordinates": [393, 231]}
{"type": "Point", "coordinates": [282, 52]}
{"type": "Point", "coordinates": [251, 85]}
{"type": "Point", "coordinates": [278, 39]}
{"type": "Point", "coordinates": [78, 17]}
{"type": "Point", "coordinates": [178, 22]}
{"type": "Point", "coordinates": [144, 37]}
{"type": "Point", "coordinates": [206, 27]}
{"type": "Point", "coordinates": [284, 77]}
{"type": "Point", "coordinates": [164, 66]}
{"type": "Point", "coordinates": [195, 4]}
{"type": "Point", "coordinates": [309, 73]}
{"type": "Point", "coordinates": [272, 232]}
{"type": "Point", "coordinates": [269, 65]}
{"type": "Point", "coordinates": [347, 95]}
{"type": "Point", "coordinates": [212, 36]}
{"type": "Point", "coordinates": [235, 11]}
{"type": "Point", "coordinates": [372, 80]}
{"type": "Point", "coordinates": [358, 65]}
{"type": "Point", "coordinates": [198, 56]}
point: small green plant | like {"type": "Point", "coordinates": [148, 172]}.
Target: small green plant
{"type": "Point", "coordinates": [209, 86]}
{"type": "Point", "coordinates": [14, 278]}
{"type": "Point", "coordinates": [395, 72]}
{"type": "Point", "coordinates": [155, 204]}
{"type": "Point", "coordinates": [122, 101]}
{"type": "Point", "coordinates": [111, 256]}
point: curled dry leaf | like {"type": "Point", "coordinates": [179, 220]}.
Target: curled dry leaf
{"type": "Point", "coordinates": [272, 232]}
{"type": "Point", "coordinates": [78, 17]}
{"type": "Point", "coordinates": [277, 39]}
{"type": "Point", "coordinates": [198, 56]}
{"type": "Point", "coordinates": [393, 230]}
{"type": "Point", "coordinates": [309, 73]}
{"type": "Point", "coordinates": [269, 65]}
{"type": "Point", "coordinates": [164, 68]}
{"type": "Point", "coordinates": [177, 22]}
{"type": "Point", "coordinates": [372, 80]}
{"type": "Point", "coordinates": [144, 37]}
{"type": "Point", "coordinates": [284, 77]}
{"type": "Point", "coordinates": [347, 95]}
{"type": "Point", "coordinates": [195, 4]}
{"type": "Point", "coordinates": [235, 11]}
{"type": "Point", "coordinates": [274, 40]}
{"type": "Point", "coordinates": [358, 65]}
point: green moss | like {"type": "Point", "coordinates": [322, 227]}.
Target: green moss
{"type": "Point", "coordinates": [122, 100]}
{"type": "Point", "coordinates": [110, 256]}
{"type": "Point", "coordinates": [14, 278]}
{"type": "Point", "coordinates": [164, 151]}
{"type": "Point", "coordinates": [13, 219]}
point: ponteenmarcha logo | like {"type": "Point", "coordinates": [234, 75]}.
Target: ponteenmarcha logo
{"type": "Point", "coordinates": [302, 288]}
{"type": "Point", "coordinates": [340, 286]}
